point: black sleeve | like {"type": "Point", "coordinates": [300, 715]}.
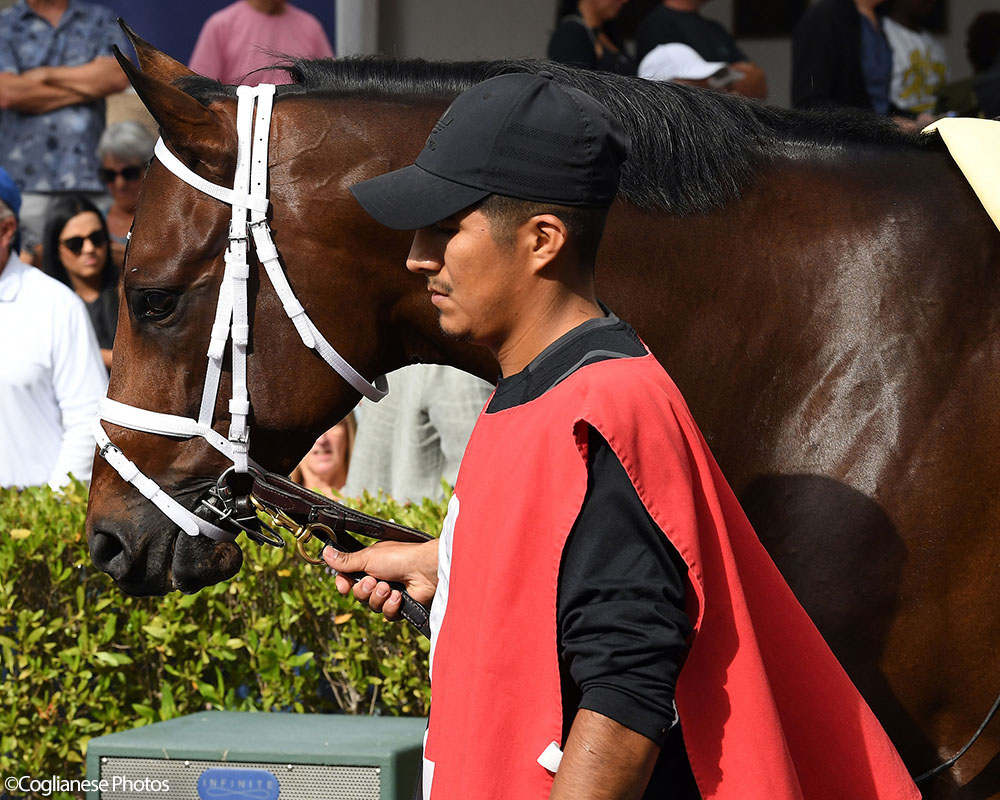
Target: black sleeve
{"type": "Point", "coordinates": [623, 632]}
{"type": "Point", "coordinates": [571, 44]}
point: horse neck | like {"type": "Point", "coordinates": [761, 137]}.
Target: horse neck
{"type": "Point", "coordinates": [829, 258]}
{"type": "Point", "coordinates": [361, 139]}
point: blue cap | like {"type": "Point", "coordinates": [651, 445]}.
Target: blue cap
{"type": "Point", "coordinates": [9, 192]}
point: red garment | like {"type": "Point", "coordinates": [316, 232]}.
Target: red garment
{"type": "Point", "coordinates": [767, 711]}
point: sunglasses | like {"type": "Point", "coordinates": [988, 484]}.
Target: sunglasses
{"type": "Point", "coordinates": [129, 174]}
{"type": "Point", "coordinates": [75, 243]}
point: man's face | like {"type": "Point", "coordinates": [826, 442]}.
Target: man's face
{"type": "Point", "coordinates": [472, 279]}
{"type": "Point", "coordinates": [8, 230]}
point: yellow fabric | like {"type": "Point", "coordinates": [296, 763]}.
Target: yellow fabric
{"type": "Point", "coordinates": [975, 146]}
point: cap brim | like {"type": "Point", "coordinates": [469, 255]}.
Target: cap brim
{"type": "Point", "coordinates": [411, 198]}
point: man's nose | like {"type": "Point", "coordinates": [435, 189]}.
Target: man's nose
{"type": "Point", "coordinates": [423, 256]}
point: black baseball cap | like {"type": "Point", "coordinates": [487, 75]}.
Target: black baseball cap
{"type": "Point", "coordinates": [520, 135]}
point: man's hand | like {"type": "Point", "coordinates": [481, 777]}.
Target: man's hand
{"type": "Point", "coordinates": [603, 760]}
{"type": "Point", "coordinates": [413, 565]}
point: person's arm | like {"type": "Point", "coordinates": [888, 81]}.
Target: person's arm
{"type": "Point", "coordinates": [79, 380]}
{"type": "Point", "coordinates": [24, 94]}
{"type": "Point", "coordinates": [623, 634]}
{"type": "Point", "coordinates": [603, 760]}
{"type": "Point", "coordinates": [413, 565]}
{"type": "Point", "coordinates": [93, 80]}
{"type": "Point", "coordinates": [32, 96]}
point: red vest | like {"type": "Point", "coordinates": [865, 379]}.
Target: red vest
{"type": "Point", "coordinates": [767, 711]}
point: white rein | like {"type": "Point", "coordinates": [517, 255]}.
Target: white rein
{"type": "Point", "coordinates": [248, 198]}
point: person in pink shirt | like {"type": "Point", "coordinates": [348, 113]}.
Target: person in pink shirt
{"type": "Point", "coordinates": [250, 34]}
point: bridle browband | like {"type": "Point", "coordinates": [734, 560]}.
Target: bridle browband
{"type": "Point", "coordinates": [230, 500]}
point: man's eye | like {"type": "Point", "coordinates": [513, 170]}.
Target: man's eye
{"type": "Point", "coordinates": [156, 304]}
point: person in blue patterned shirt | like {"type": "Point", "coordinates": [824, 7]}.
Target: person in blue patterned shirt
{"type": "Point", "coordinates": [56, 68]}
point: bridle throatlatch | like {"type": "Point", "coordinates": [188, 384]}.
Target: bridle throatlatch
{"type": "Point", "coordinates": [250, 204]}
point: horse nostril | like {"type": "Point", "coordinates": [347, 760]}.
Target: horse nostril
{"type": "Point", "coordinates": [108, 554]}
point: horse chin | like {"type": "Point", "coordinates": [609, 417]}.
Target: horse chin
{"type": "Point", "coordinates": [199, 562]}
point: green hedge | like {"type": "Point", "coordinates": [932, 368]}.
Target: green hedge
{"type": "Point", "coordinates": [80, 659]}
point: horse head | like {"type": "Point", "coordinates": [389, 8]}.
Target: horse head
{"type": "Point", "coordinates": [171, 284]}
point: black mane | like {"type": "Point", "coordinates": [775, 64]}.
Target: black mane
{"type": "Point", "coordinates": [692, 150]}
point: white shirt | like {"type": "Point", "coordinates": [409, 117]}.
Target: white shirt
{"type": "Point", "coordinates": [919, 67]}
{"type": "Point", "coordinates": [51, 378]}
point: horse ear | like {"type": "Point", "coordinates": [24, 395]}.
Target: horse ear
{"type": "Point", "coordinates": [153, 62]}
{"type": "Point", "coordinates": [197, 133]}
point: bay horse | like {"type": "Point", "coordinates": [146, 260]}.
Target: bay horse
{"type": "Point", "coordinates": [823, 289]}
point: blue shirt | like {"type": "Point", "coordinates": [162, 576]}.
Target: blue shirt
{"type": "Point", "coordinates": [56, 151]}
{"type": "Point", "coordinates": [876, 65]}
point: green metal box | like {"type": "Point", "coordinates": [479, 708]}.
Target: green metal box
{"type": "Point", "coordinates": [259, 756]}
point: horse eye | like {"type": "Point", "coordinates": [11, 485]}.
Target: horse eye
{"type": "Point", "coordinates": [156, 304]}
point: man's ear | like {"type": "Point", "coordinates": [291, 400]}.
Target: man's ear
{"type": "Point", "coordinates": [545, 236]}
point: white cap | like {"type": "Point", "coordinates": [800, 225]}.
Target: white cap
{"type": "Point", "coordinates": [667, 62]}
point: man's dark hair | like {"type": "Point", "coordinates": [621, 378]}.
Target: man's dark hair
{"type": "Point", "coordinates": [584, 225]}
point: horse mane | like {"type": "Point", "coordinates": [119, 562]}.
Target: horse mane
{"type": "Point", "coordinates": [692, 150]}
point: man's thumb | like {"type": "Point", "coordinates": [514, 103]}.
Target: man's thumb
{"type": "Point", "coordinates": [342, 562]}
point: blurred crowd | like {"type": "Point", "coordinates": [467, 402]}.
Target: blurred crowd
{"type": "Point", "coordinates": [69, 188]}
{"type": "Point", "coordinates": [873, 55]}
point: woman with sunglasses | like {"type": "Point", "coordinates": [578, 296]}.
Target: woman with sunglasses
{"type": "Point", "coordinates": [125, 149]}
{"type": "Point", "coordinates": [76, 252]}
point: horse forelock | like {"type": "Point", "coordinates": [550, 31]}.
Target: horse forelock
{"type": "Point", "coordinates": [692, 150]}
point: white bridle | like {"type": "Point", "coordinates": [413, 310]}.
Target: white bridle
{"type": "Point", "coordinates": [248, 198]}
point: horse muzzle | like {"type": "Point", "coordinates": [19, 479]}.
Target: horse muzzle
{"type": "Point", "coordinates": [148, 556]}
